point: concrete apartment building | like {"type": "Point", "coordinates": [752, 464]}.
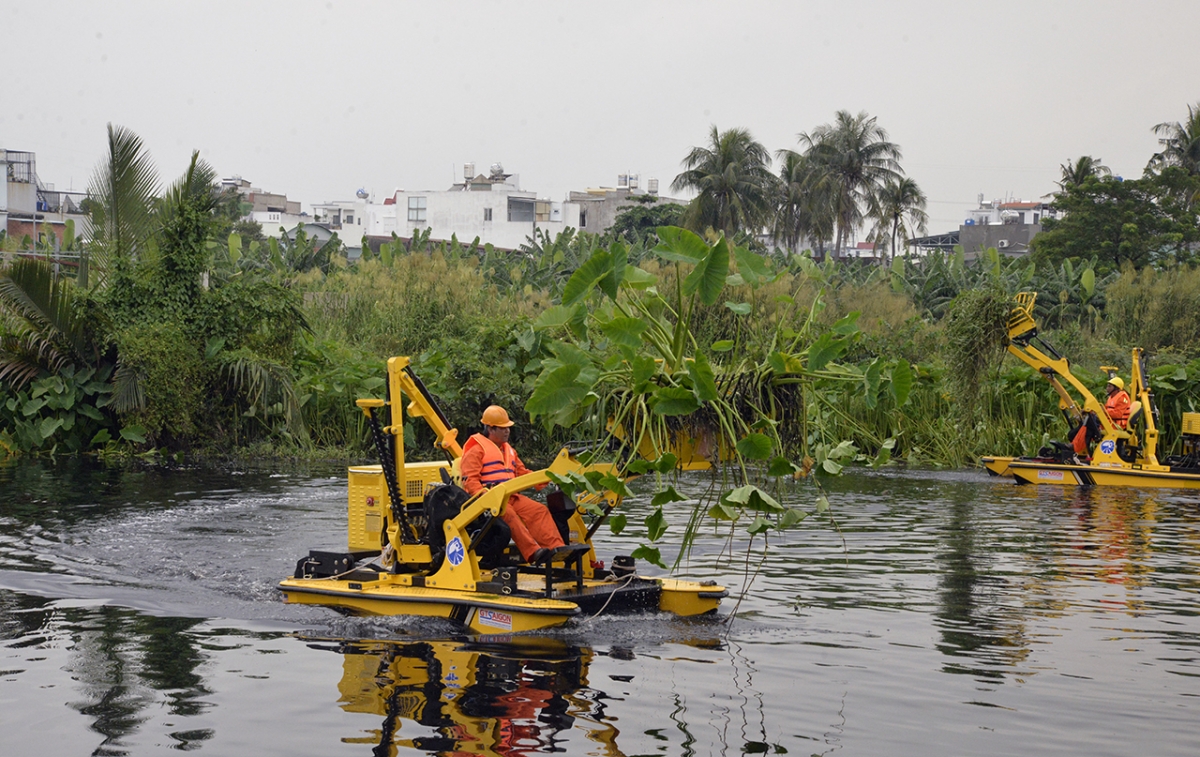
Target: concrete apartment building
{"type": "Point", "coordinates": [274, 212]}
{"type": "Point", "coordinates": [1007, 225]}
{"type": "Point", "coordinates": [32, 208]}
{"type": "Point", "coordinates": [491, 207]}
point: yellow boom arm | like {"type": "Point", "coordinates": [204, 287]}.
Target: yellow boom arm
{"type": "Point", "coordinates": [1022, 329]}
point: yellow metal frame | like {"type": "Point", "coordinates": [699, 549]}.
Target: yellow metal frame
{"type": "Point", "coordinates": [1022, 328]}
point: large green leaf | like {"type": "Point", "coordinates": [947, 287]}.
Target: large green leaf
{"type": "Point", "coordinates": [625, 331]}
{"type": "Point", "coordinates": [753, 267]}
{"type": "Point", "coordinates": [756, 447]}
{"type": "Point", "coordinates": [585, 278]}
{"type": "Point", "coordinates": [826, 348]}
{"type": "Point", "coordinates": [636, 278]}
{"type": "Point", "coordinates": [791, 517]}
{"type": "Point", "coordinates": [750, 497]}
{"type": "Point", "coordinates": [846, 325]}
{"type": "Point", "coordinates": [134, 433]}
{"type": "Point", "coordinates": [667, 496]}
{"type": "Point", "coordinates": [675, 400]}
{"type": "Point", "coordinates": [759, 525]}
{"type": "Point", "coordinates": [708, 277]}
{"type": "Point", "coordinates": [644, 368]}
{"type": "Point", "coordinates": [871, 380]}
{"type": "Point", "coordinates": [902, 381]}
{"type": "Point", "coordinates": [656, 524]}
{"type": "Point", "coordinates": [781, 466]}
{"type": "Point", "coordinates": [649, 554]}
{"type": "Point", "coordinates": [679, 245]}
{"type": "Point", "coordinates": [704, 382]}
{"type": "Point", "coordinates": [722, 511]}
{"type": "Point", "coordinates": [618, 262]}
{"type": "Point", "coordinates": [556, 391]}
{"type": "Point", "coordinates": [557, 317]}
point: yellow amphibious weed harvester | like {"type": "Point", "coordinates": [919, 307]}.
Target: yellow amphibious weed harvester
{"type": "Point", "coordinates": [1119, 456]}
{"type": "Point", "coordinates": [418, 544]}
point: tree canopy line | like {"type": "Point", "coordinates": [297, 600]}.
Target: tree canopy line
{"type": "Point", "coordinates": [185, 327]}
{"type": "Point", "coordinates": [846, 175]}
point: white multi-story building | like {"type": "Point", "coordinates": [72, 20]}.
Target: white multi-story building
{"type": "Point", "coordinates": [274, 212]}
{"type": "Point", "coordinates": [491, 208]}
{"type": "Point", "coordinates": [34, 209]}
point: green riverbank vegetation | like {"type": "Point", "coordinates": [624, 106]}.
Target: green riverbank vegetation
{"type": "Point", "coordinates": [185, 331]}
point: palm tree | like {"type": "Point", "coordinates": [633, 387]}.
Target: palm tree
{"type": "Point", "coordinates": [1180, 143]}
{"type": "Point", "coordinates": [122, 193]}
{"type": "Point", "coordinates": [733, 182]}
{"type": "Point", "coordinates": [1084, 168]}
{"type": "Point", "coordinates": [43, 326]}
{"type": "Point", "coordinates": [805, 206]}
{"type": "Point", "coordinates": [898, 207]}
{"type": "Point", "coordinates": [855, 154]}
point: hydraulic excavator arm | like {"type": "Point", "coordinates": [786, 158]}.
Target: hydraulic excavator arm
{"type": "Point", "coordinates": [1143, 407]}
{"type": "Point", "coordinates": [1022, 335]}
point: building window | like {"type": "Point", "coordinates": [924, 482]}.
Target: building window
{"type": "Point", "coordinates": [487, 214]}
{"type": "Point", "coordinates": [520, 210]}
{"type": "Point", "coordinates": [1036, 216]}
{"type": "Point", "coordinates": [582, 219]}
{"type": "Point", "coordinates": [349, 218]}
{"type": "Point", "coordinates": [416, 208]}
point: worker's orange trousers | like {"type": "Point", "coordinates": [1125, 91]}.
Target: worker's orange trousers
{"type": "Point", "coordinates": [531, 524]}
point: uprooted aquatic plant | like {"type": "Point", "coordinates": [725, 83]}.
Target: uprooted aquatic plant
{"type": "Point", "coordinates": [619, 353]}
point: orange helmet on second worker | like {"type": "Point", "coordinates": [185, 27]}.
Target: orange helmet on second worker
{"type": "Point", "coordinates": [495, 416]}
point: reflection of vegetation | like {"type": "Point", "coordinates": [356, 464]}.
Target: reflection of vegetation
{"type": "Point", "coordinates": [119, 653]}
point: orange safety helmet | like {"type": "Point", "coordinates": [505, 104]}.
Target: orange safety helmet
{"type": "Point", "coordinates": [495, 416]}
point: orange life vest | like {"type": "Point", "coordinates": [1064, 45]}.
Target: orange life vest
{"type": "Point", "coordinates": [498, 462]}
{"type": "Point", "coordinates": [1117, 407]}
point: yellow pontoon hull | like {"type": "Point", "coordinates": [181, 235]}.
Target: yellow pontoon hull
{"type": "Point", "coordinates": [485, 612]}
{"type": "Point", "coordinates": [997, 466]}
{"type": "Point", "coordinates": [1027, 472]}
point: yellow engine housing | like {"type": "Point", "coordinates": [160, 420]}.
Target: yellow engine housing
{"type": "Point", "coordinates": [370, 506]}
{"type": "Point", "coordinates": [1191, 423]}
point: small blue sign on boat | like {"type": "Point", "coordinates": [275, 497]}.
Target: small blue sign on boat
{"type": "Point", "coordinates": [455, 552]}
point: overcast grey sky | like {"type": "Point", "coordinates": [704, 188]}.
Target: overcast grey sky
{"type": "Point", "coordinates": [318, 99]}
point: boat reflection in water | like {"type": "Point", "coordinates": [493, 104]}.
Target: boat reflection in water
{"type": "Point", "coordinates": [480, 696]}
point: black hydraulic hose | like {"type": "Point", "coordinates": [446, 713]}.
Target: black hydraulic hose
{"type": "Point", "coordinates": [389, 474]}
{"type": "Point", "coordinates": [428, 397]}
{"type": "Point", "coordinates": [1049, 347]}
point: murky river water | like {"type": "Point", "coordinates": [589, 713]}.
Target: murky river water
{"type": "Point", "coordinates": [948, 614]}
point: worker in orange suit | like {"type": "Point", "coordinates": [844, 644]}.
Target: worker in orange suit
{"type": "Point", "coordinates": [488, 459]}
{"type": "Point", "coordinates": [1117, 404]}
